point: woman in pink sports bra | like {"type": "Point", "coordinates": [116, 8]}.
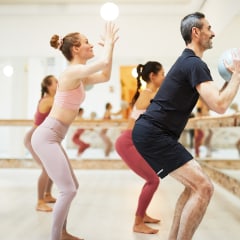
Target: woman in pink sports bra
{"type": "Point", "coordinates": [47, 138]}
{"type": "Point", "coordinates": [153, 74]}
{"type": "Point", "coordinates": [48, 90]}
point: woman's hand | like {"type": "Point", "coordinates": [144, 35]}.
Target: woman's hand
{"type": "Point", "coordinates": [110, 36]}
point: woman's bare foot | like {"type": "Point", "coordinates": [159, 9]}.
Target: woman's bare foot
{"type": "Point", "coordinates": [67, 236]}
{"type": "Point", "coordinates": [43, 207]}
{"type": "Point", "coordinates": [143, 228]}
{"type": "Point", "coordinates": [48, 198]}
{"type": "Point", "coordinates": [148, 219]}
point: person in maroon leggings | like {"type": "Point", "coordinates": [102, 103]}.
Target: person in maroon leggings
{"type": "Point", "coordinates": [76, 138]}
{"type": "Point", "coordinates": [153, 74]}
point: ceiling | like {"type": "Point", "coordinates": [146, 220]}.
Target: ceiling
{"type": "Point", "coordinates": [139, 20]}
{"type": "Point", "coordinates": [92, 1]}
{"type": "Point", "coordinates": [222, 12]}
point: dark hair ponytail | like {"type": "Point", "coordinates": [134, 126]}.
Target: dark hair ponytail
{"type": "Point", "coordinates": [143, 72]}
{"type": "Point", "coordinates": [139, 84]}
{"type": "Point", "coordinates": [46, 82]}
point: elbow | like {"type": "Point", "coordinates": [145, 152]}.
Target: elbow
{"type": "Point", "coordinates": [106, 76]}
{"type": "Point", "coordinates": [221, 107]}
{"type": "Point", "coordinates": [106, 72]}
{"type": "Point", "coordinates": [106, 79]}
{"type": "Point", "coordinates": [220, 110]}
{"type": "Point", "coordinates": [107, 62]}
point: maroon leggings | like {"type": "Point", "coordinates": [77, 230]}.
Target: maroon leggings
{"type": "Point", "coordinates": [46, 142]}
{"type": "Point", "coordinates": [127, 151]}
{"type": "Point", "coordinates": [199, 135]}
{"type": "Point", "coordinates": [77, 140]}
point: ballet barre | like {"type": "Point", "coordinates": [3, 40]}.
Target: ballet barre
{"type": "Point", "coordinates": [85, 123]}
{"type": "Point", "coordinates": [213, 167]}
{"type": "Point", "coordinates": [232, 120]}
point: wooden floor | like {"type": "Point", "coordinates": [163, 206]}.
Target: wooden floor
{"type": "Point", "coordinates": [104, 208]}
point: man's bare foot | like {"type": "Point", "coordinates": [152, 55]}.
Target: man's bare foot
{"type": "Point", "coordinates": [148, 219]}
{"type": "Point", "coordinates": [143, 228]}
{"type": "Point", "coordinates": [67, 236]}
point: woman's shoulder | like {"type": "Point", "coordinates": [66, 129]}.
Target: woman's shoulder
{"type": "Point", "coordinates": [145, 94]}
{"type": "Point", "coordinates": [67, 83]}
{"type": "Point", "coordinates": [143, 100]}
{"type": "Point", "coordinates": [46, 102]}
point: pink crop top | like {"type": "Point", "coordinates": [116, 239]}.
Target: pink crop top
{"type": "Point", "coordinates": [40, 117]}
{"type": "Point", "coordinates": [70, 99]}
{"type": "Point", "coordinates": [136, 112]}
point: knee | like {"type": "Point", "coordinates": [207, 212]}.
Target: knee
{"type": "Point", "coordinates": [211, 189]}
{"type": "Point", "coordinates": [154, 181]}
{"type": "Point", "coordinates": [71, 193]}
{"type": "Point", "coordinates": [27, 143]}
{"type": "Point", "coordinates": [44, 173]}
{"type": "Point", "coordinates": [206, 188]}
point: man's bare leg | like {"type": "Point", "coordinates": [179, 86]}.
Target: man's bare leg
{"type": "Point", "coordinates": [178, 212]}
{"type": "Point", "coordinates": [201, 189]}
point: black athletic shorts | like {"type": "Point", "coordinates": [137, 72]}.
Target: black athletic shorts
{"type": "Point", "coordinates": [162, 152]}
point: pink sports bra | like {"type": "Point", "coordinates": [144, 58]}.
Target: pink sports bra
{"type": "Point", "coordinates": [70, 99]}
{"type": "Point", "coordinates": [136, 112]}
{"type": "Point", "coordinates": [40, 117]}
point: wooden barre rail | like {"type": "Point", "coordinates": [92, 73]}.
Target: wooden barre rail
{"type": "Point", "coordinates": [232, 120]}
{"type": "Point", "coordinates": [116, 123]}
{"type": "Point", "coordinates": [212, 168]}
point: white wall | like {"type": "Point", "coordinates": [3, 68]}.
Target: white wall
{"type": "Point", "coordinates": [146, 33]}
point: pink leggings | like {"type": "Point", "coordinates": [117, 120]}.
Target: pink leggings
{"type": "Point", "coordinates": [44, 182]}
{"type": "Point", "coordinates": [46, 142]}
{"type": "Point", "coordinates": [126, 149]}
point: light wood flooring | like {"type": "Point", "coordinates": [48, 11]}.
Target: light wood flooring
{"type": "Point", "coordinates": [104, 208]}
